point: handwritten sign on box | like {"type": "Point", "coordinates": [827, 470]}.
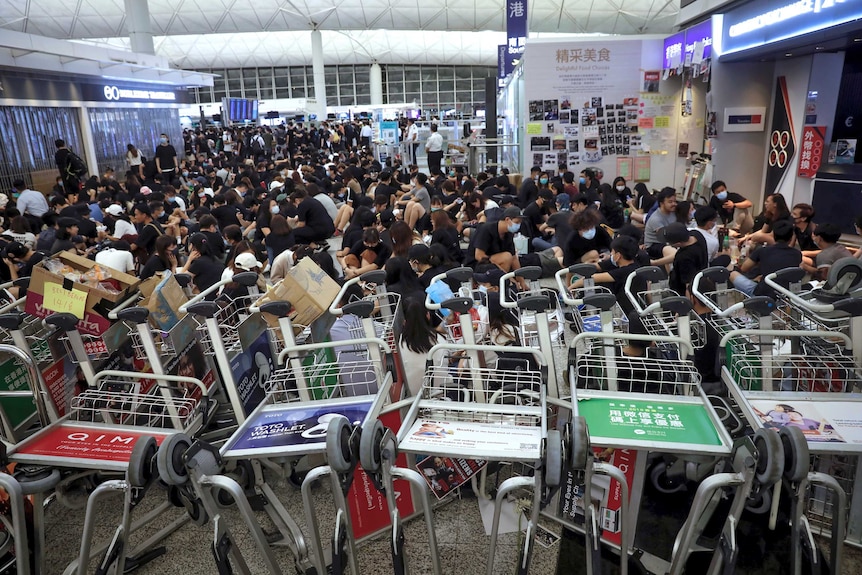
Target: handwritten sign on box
{"type": "Point", "coordinates": [72, 301]}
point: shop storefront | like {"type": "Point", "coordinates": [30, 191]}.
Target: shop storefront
{"type": "Point", "coordinates": [97, 117]}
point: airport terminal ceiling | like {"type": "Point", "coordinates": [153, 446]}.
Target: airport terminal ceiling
{"type": "Point", "coordinates": [208, 33]}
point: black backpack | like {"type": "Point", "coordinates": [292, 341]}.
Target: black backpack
{"type": "Point", "coordinates": [75, 166]}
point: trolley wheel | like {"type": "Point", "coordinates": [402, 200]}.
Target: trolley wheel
{"type": "Point", "coordinates": [796, 456]}
{"type": "Point", "coordinates": [770, 457]}
{"type": "Point", "coordinates": [554, 459]}
{"type": "Point", "coordinates": [169, 459]}
{"type": "Point", "coordinates": [580, 443]}
{"type": "Point", "coordinates": [174, 496]}
{"type": "Point", "coordinates": [369, 448]}
{"type": "Point", "coordinates": [760, 501]}
{"type": "Point", "coordinates": [338, 444]}
{"type": "Point", "coordinates": [661, 482]}
{"type": "Point", "coordinates": [845, 274]}
{"type": "Point", "coordinates": [141, 461]}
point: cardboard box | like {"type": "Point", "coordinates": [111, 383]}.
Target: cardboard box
{"type": "Point", "coordinates": [165, 302]}
{"type": "Point", "coordinates": [99, 302]}
{"type": "Point", "coordinates": [307, 288]}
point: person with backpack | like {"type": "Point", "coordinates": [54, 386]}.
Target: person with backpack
{"type": "Point", "coordinates": [72, 168]}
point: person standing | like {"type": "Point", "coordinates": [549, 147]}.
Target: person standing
{"type": "Point", "coordinates": [135, 160]}
{"type": "Point", "coordinates": [412, 138]}
{"type": "Point", "coordinates": [72, 168]}
{"type": "Point", "coordinates": [434, 149]}
{"type": "Point", "coordinates": [166, 158]}
{"type": "Point", "coordinates": [365, 136]}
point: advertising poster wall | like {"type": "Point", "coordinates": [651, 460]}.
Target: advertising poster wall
{"type": "Point", "coordinates": [584, 97]}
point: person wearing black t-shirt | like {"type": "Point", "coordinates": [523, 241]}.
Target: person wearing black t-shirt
{"type": "Point", "coordinates": [208, 226]}
{"type": "Point", "coordinates": [202, 265]}
{"type": "Point", "coordinates": [148, 231]}
{"type": "Point", "coordinates": [726, 205]}
{"type": "Point", "coordinates": [367, 255]}
{"type": "Point", "coordinates": [624, 250]}
{"type": "Point", "coordinates": [224, 213]}
{"type": "Point", "coordinates": [20, 260]}
{"type": "Point", "coordinates": [588, 239]}
{"type": "Point", "coordinates": [166, 157]}
{"type": "Point", "coordinates": [536, 214]}
{"type": "Point", "coordinates": [313, 224]}
{"type": "Point", "coordinates": [495, 241]}
{"type": "Point", "coordinates": [690, 258]}
{"type": "Point", "coordinates": [767, 260]}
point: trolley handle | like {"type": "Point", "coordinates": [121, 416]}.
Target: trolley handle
{"type": "Point", "coordinates": [684, 344]}
{"type": "Point", "coordinates": [772, 281]}
{"type": "Point", "coordinates": [114, 314]}
{"type": "Point", "coordinates": [531, 273]}
{"type": "Point", "coordinates": [202, 296]}
{"type": "Point", "coordinates": [358, 342]}
{"type": "Point", "coordinates": [374, 276]}
{"type": "Point", "coordinates": [430, 305]}
{"type": "Point", "coordinates": [540, 357]}
{"type": "Point", "coordinates": [157, 377]}
{"type": "Point", "coordinates": [717, 274]}
{"type": "Point", "coordinates": [787, 333]}
{"type": "Point", "coordinates": [676, 304]}
{"type": "Point", "coordinates": [649, 273]}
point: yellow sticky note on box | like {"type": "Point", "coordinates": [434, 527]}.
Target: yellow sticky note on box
{"type": "Point", "coordinates": [72, 301]}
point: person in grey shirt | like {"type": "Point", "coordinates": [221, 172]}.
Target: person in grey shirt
{"type": "Point", "coordinates": [660, 219]}
{"type": "Point", "coordinates": [416, 202]}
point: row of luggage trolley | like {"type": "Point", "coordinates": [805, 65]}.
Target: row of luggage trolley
{"type": "Point", "coordinates": [231, 402]}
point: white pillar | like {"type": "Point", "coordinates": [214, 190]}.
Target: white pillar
{"type": "Point", "coordinates": [375, 79]}
{"type": "Point", "coordinates": [319, 78]}
{"type": "Point", "coordinates": [139, 26]}
{"type": "Point", "coordinates": [88, 154]}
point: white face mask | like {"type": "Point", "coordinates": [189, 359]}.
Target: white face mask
{"type": "Point", "coordinates": [274, 210]}
{"type": "Point", "coordinates": [621, 188]}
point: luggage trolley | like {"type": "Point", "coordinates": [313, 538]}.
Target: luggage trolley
{"type": "Point", "coordinates": [623, 398]}
{"type": "Point", "coordinates": [440, 289]}
{"type": "Point", "coordinates": [586, 317]}
{"type": "Point", "coordinates": [658, 318]}
{"type": "Point", "coordinates": [531, 327]}
{"type": "Point", "coordinates": [476, 413]}
{"type": "Point", "coordinates": [114, 427]}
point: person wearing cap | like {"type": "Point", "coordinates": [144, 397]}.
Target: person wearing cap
{"type": "Point", "coordinates": [691, 255]}
{"type": "Point", "coordinates": [495, 241]}
{"type": "Point", "coordinates": [624, 250]}
{"type": "Point", "coordinates": [244, 262]}
{"type": "Point", "coordinates": [117, 257]}
{"type": "Point", "coordinates": [536, 215]}
{"type": "Point", "coordinates": [20, 260]}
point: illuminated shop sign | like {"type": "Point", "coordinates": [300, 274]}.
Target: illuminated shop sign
{"type": "Point", "coordinates": [682, 44]}
{"type": "Point", "coordinates": [115, 94]}
{"type": "Point", "coordinates": [673, 50]}
{"type": "Point", "coordinates": [763, 21]}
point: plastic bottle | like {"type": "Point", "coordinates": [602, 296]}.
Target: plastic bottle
{"type": "Point", "coordinates": [734, 253]}
{"type": "Point", "coordinates": [743, 254]}
{"type": "Point", "coordinates": [627, 213]}
{"type": "Point", "coordinates": [725, 246]}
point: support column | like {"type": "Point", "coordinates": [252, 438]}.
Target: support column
{"type": "Point", "coordinates": [88, 154]}
{"type": "Point", "coordinates": [375, 79]}
{"type": "Point", "coordinates": [319, 78]}
{"type": "Point", "coordinates": [139, 26]}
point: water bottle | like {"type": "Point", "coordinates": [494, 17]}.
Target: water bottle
{"type": "Point", "coordinates": [725, 246]}
{"type": "Point", "coordinates": [627, 213]}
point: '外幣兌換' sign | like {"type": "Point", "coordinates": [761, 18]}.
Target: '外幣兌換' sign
{"type": "Point", "coordinates": [764, 21]}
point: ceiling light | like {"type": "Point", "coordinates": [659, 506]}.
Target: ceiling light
{"type": "Point", "coordinates": [788, 54]}
{"type": "Point", "coordinates": [818, 47]}
{"type": "Point", "coordinates": [857, 39]}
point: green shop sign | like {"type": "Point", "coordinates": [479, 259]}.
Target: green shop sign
{"type": "Point", "coordinates": [665, 422]}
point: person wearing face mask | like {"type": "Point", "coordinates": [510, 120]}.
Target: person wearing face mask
{"type": "Point", "coordinates": [705, 218]}
{"type": "Point", "coordinates": [166, 158]}
{"type": "Point", "coordinates": [589, 239]}
{"type": "Point", "coordinates": [529, 188]}
{"type": "Point", "coordinates": [622, 262]}
{"type": "Point", "coordinates": [589, 186]}
{"type": "Point", "coordinates": [732, 209]}
{"type": "Point", "coordinates": [622, 190]}
{"type": "Point", "coordinates": [536, 215]}
{"type": "Point", "coordinates": [495, 241]}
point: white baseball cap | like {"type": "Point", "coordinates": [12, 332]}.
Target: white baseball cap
{"type": "Point", "coordinates": [114, 210]}
{"type": "Point", "coordinates": [247, 262]}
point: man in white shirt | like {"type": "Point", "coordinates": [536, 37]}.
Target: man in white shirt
{"type": "Point", "coordinates": [434, 149]}
{"type": "Point", "coordinates": [365, 135]}
{"type": "Point", "coordinates": [31, 204]}
{"type": "Point", "coordinates": [705, 217]}
{"type": "Point", "coordinates": [412, 138]}
{"type": "Point", "coordinates": [118, 257]}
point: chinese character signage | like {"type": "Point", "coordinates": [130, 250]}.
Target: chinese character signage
{"type": "Point", "coordinates": [573, 55]}
{"type": "Point", "coordinates": [700, 33]}
{"type": "Point", "coordinates": [516, 32]}
{"type": "Point", "coordinates": [813, 138]}
{"type": "Point", "coordinates": [673, 46]}
{"type": "Point", "coordinates": [501, 61]}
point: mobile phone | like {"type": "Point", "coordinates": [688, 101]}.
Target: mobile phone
{"type": "Point", "coordinates": [460, 200]}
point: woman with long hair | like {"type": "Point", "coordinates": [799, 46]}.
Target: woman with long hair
{"type": "Point", "coordinates": [402, 238]}
{"type": "Point", "coordinates": [444, 233]}
{"type": "Point", "coordinates": [401, 278]}
{"type": "Point", "coordinates": [202, 265]}
{"type": "Point", "coordinates": [416, 336]}
{"type": "Point", "coordinates": [135, 160]}
{"type": "Point", "coordinates": [163, 259]}
{"type": "Point", "coordinates": [19, 231]}
{"type": "Point", "coordinates": [640, 204]}
{"type": "Point", "coordinates": [774, 209]}
{"type": "Point", "coordinates": [279, 238]}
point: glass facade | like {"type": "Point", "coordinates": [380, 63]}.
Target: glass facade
{"type": "Point", "coordinates": [114, 128]}
{"type": "Point", "coordinates": [27, 135]}
{"type": "Point", "coordinates": [435, 89]}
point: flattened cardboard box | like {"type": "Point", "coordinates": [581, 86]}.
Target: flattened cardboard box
{"type": "Point", "coordinates": [99, 303]}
